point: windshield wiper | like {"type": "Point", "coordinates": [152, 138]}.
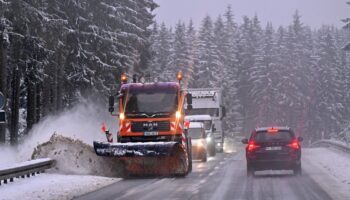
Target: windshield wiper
{"type": "Point", "coordinates": [149, 115]}
{"type": "Point", "coordinates": [161, 113]}
{"type": "Point", "coordinates": [136, 114]}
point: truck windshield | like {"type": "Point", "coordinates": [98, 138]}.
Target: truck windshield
{"type": "Point", "coordinates": [214, 112]}
{"type": "Point", "coordinates": [207, 123]}
{"type": "Point", "coordinates": [196, 133]}
{"type": "Point", "coordinates": [151, 102]}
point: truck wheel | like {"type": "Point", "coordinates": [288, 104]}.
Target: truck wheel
{"type": "Point", "coordinates": [212, 151]}
{"type": "Point", "coordinates": [221, 150]}
{"type": "Point", "coordinates": [189, 147]}
{"type": "Point", "coordinates": [204, 159]}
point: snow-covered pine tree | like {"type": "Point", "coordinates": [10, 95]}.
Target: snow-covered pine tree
{"type": "Point", "coordinates": [264, 79]}
{"type": "Point", "coordinates": [208, 55]}
{"type": "Point", "coordinates": [5, 27]}
{"type": "Point", "coordinates": [244, 59]}
{"type": "Point", "coordinates": [347, 26]}
{"type": "Point", "coordinates": [233, 119]}
{"type": "Point", "coordinates": [222, 45]}
{"type": "Point", "coordinates": [161, 52]}
{"type": "Point", "coordinates": [221, 50]}
{"type": "Point", "coordinates": [328, 105]}
{"type": "Point", "coordinates": [293, 91]}
{"type": "Point", "coordinates": [192, 45]}
{"type": "Point", "coordinates": [57, 51]}
{"type": "Point", "coordinates": [180, 52]}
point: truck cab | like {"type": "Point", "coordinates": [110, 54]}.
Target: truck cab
{"type": "Point", "coordinates": [150, 112]}
{"type": "Point", "coordinates": [152, 137]}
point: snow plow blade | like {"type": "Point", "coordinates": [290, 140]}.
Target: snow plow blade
{"type": "Point", "coordinates": [146, 149]}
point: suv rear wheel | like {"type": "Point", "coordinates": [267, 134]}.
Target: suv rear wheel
{"type": "Point", "coordinates": [297, 169]}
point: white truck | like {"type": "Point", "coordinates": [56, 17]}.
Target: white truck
{"type": "Point", "coordinates": [208, 101]}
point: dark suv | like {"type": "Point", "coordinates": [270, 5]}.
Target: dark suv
{"type": "Point", "coordinates": [273, 148]}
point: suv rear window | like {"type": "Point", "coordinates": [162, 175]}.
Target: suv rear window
{"type": "Point", "coordinates": [264, 136]}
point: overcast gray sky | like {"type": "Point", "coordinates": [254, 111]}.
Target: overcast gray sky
{"type": "Point", "coordinates": [279, 12]}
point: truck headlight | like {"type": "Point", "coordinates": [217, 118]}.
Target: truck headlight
{"type": "Point", "coordinates": [121, 116]}
{"type": "Point", "coordinates": [200, 143]}
{"type": "Point", "coordinates": [208, 139]}
{"type": "Point", "coordinates": [178, 114]}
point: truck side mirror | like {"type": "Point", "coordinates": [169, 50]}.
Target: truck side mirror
{"type": "Point", "coordinates": [111, 104]}
{"type": "Point", "coordinates": [213, 129]}
{"type": "Point", "coordinates": [300, 139]}
{"type": "Point", "coordinates": [189, 98]}
{"type": "Point", "coordinates": [245, 141]}
{"type": "Point", "coordinates": [189, 101]}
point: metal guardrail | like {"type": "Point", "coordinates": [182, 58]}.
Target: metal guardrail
{"type": "Point", "coordinates": [24, 169]}
{"type": "Point", "coordinates": [331, 143]}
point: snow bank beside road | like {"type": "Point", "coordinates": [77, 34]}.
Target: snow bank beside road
{"type": "Point", "coordinates": [82, 122]}
{"type": "Point", "coordinates": [330, 169]}
{"type": "Point", "coordinates": [53, 187]}
{"type": "Point", "coordinates": [75, 157]}
{"type": "Point", "coordinates": [335, 162]}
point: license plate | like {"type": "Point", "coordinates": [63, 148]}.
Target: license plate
{"type": "Point", "coordinates": [150, 133]}
{"type": "Point", "coordinates": [273, 148]}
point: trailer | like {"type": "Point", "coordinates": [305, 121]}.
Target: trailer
{"type": "Point", "coordinates": [208, 101]}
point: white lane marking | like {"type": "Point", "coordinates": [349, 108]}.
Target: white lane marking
{"type": "Point", "coordinates": [224, 185]}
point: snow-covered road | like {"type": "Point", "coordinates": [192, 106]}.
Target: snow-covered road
{"type": "Point", "coordinates": [325, 176]}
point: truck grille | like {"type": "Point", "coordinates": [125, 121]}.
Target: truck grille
{"type": "Point", "coordinates": [150, 126]}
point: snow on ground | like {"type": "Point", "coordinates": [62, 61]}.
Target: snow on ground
{"type": "Point", "coordinates": [335, 162]}
{"type": "Point", "coordinates": [53, 187]}
{"type": "Point", "coordinates": [330, 168]}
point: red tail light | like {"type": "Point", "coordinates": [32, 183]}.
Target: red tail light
{"type": "Point", "coordinates": [252, 146]}
{"type": "Point", "coordinates": [104, 127]}
{"type": "Point", "coordinates": [294, 144]}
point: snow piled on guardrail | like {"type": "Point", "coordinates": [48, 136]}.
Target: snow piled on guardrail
{"type": "Point", "coordinates": [332, 143]}
{"type": "Point", "coordinates": [73, 156]}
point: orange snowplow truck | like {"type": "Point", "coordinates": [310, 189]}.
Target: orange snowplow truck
{"type": "Point", "coordinates": [152, 137]}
